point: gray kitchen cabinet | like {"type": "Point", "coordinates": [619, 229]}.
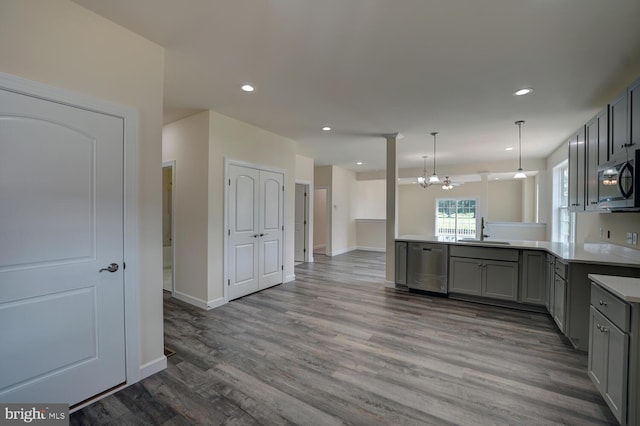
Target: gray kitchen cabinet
{"type": "Point", "coordinates": [401, 262]}
{"type": "Point", "coordinates": [559, 302]}
{"type": "Point", "coordinates": [633, 92]}
{"type": "Point", "coordinates": [618, 123]}
{"type": "Point", "coordinates": [609, 349]}
{"type": "Point", "coordinates": [577, 165]}
{"type": "Point", "coordinates": [597, 141]}
{"type": "Point", "coordinates": [550, 282]}
{"type": "Point", "coordinates": [465, 276]}
{"type": "Point", "coordinates": [534, 278]}
{"type": "Point", "coordinates": [487, 272]}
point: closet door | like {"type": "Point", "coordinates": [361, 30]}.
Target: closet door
{"type": "Point", "coordinates": [271, 224]}
{"type": "Point", "coordinates": [255, 235]}
{"type": "Point", "coordinates": [243, 247]}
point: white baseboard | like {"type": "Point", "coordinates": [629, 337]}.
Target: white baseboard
{"type": "Point", "coordinates": [153, 367]}
{"type": "Point", "coordinates": [202, 304]}
{"type": "Point", "coordinates": [337, 252]}
{"type": "Point", "coordinates": [378, 249]}
{"type": "Point", "coordinates": [289, 278]}
{"type": "Point", "coordinates": [216, 303]}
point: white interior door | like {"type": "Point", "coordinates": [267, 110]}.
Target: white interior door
{"type": "Point", "coordinates": [61, 221]}
{"type": "Point", "coordinates": [300, 223]}
{"type": "Point", "coordinates": [255, 236]}
{"type": "Point", "coordinates": [243, 247]}
{"type": "Point", "coordinates": [271, 228]}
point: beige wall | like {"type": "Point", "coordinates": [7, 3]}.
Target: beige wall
{"type": "Point", "coordinates": [371, 199]}
{"type": "Point", "coordinates": [371, 234]}
{"type": "Point", "coordinates": [319, 218]}
{"type": "Point", "coordinates": [187, 142]}
{"type": "Point", "coordinates": [343, 226]}
{"type": "Point", "coordinates": [304, 169]}
{"type": "Point", "coordinates": [322, 177]}
{"type": "Point", "coordinates": [235, 140]}
{"type": "Point", "coordinates": [59, 43]}
{"type": "Point", "coordinates": [416, 206]}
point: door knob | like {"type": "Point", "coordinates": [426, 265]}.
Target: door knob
{"type": "Point", "coordinates": [111, 268]}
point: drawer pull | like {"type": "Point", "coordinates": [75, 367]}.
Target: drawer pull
{"type": "Point", "coordinates": [602, 328]}
{"type": "Point", "coordinates": [603, 303]}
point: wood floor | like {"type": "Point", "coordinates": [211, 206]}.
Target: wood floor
{"type": "Point", "coordinates": [338, 346]}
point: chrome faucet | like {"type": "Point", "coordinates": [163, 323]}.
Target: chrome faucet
{"type": "Point", "coordinates": [482, 234]}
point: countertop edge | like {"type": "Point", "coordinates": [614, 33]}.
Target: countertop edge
{"type": "Point", "coordinates": [619, 286]}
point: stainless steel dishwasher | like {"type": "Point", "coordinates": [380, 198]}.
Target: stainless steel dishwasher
{"type": "Point", "coordinates": [427, 267]}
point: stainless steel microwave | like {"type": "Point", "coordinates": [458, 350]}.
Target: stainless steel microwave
{"type": "Point", "coordinates": [618, 182]}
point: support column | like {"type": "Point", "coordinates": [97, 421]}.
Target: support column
{"type": "Point", "coordinates": [484, 200]}
{"type": "Point", "coordinates": [392, 204]}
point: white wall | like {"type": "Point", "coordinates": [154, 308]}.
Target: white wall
{"type": "Point", "coordinates": [322, 176]}
{"type": "Point", "coordinates": [59, 43]}
{"type": "Point", "coordinates": [187, 142]}
{"type": "Point", "coordinates": [304, 168]}
{"type": "Point", "coordinates": [319, 218]}
{"type": "Point", "coordinates": [236, 140]}
{"type": "Point", "coordinates": [371, 199]}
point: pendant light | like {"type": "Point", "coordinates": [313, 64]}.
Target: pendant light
{"type": "Point", "coordinates": [434, 177]}
{"type": "Point", "coordinates": [422, 180]}
{"type": "Point", "coordinates": [446, 183]}
{"type": "Point", "coordinates": [519, 173]}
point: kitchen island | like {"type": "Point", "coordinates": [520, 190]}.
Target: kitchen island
{"type": "Point", "coordinates": [533, 275]}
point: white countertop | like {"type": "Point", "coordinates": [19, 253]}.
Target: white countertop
{"type": "Point", "coordinates": [627, 289]}
{"type": "Point", "coordinates": [599, 253]}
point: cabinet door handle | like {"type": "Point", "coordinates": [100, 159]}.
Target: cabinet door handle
{"type": "Point", "coordinates": [603, 303]}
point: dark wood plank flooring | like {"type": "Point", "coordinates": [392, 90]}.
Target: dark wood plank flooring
{"type": "Point", "coordinates": [338, 346]}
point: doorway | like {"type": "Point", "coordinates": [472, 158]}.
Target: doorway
{"type": "Point", "coordinates": [168, 259]}
{"type": "Point", "coordinates": [301, 247]}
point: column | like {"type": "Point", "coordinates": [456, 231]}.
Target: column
{"type": "Point", "coordinates": [392, 204]}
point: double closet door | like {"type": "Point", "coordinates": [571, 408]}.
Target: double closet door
{"type": "Point", "coordinates": [256, 227]}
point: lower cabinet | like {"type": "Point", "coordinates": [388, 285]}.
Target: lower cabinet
{"type": "Point", "coordinates": [466, 276]}
{"type": "Point", "coordinates": [500, 279]}
{"type": "Point", "coordinates": [533, 285]}
{"type": "Point", "coordinates": [401, 263]}
{"type": "Point", "coordinates": [559, 302]}
{"type": "Point", "coordinates": [609, 359]}
{"type": "Point", "coordinates": [550, 276]}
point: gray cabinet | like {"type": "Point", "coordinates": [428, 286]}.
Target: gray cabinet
{"type": "Point", "coordinates": [597, 141]}
{"type": "Point", "coordinates": [486, 272]}
{"type": "Point", "coordinates": [550, 274]}
{"type": "Point", "coordinates": [609, 349]}
{"type": "Point", "coordinates": [401, 262]}
{"type": "Point", "coordinates": [633, 92]}
{"type": "Point", "coordinates": [533, 283]}
{"type": "Point", "coordinates": [618, 120]}
{"type": "Point", "coordinates": [559, 302]}
{"type": "Point", "coordinates": [577, 165]}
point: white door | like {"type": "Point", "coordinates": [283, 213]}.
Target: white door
{"type": "Point", "coordinates": [271, 229]}
{"type": "Point", "coordinates": [61, 221]}
{"type": "Point", "coordinates": [300, 223]}
{"type": "Point", "coordinates": [255, 218]}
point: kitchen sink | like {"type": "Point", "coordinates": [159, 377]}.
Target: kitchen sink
{"type": "Point", "coordinates": [472, 240]}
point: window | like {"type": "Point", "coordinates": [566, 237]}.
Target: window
{"type": "Point", "coordinates": [563, 224]}
{"type": "Point", "coordinates": [456, 218]}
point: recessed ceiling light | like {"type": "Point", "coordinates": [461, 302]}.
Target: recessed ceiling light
{"type": "Point", "coordinates": [326, 128]}
{"type": "Point", "coordinates": [359, 163]}
{"type": "Point", "coordinates": [508, 149]}
{"type": "Point", "coordinates": [523, 91]}
{"type": "Point", "coordinates": [248, 88]}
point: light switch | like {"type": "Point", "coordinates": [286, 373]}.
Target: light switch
{"type": "Point", "coordinates": [635, 239]}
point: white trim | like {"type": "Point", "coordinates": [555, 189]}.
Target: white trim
{"type": "Point", "coordinates": [216, 303]}
{"type": "Point", "coordinates": [327, 220]}
{"type": "Point", "coordinates": [378, 249]}
{"type": "Point", "coordinates": [289, 278]}
{"type": "Point", "coordinates": [342, 251]}
{"type": "Point", "coordinates": [372, 220]}
{"type": "Point", "coordinates": [308, 256]}
{"type": "Point", "coordinates": [319, 247]}
{"type": "Point", "coordinates": [195, 301]}
{"type": "Point", "coordinates": [153, 367]}
{"type": "Point", "coordinates": [172, 164]}
{"type": "Point", "coordinates": [131, 243]}
{"type": "Point", "coordinates": [227, 163]}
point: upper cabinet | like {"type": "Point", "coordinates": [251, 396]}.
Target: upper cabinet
{"type": "Point", "coordinates": [597, 137]}
{"type": "Point", "coordinates": [577, 172]}
{"type": "Point", "coordinates": [618, 131]}
{"type": "Point", "coordinates": [634, 113]}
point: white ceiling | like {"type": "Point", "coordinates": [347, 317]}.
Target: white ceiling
{"type": "Point", "coordinates": [368, 67]}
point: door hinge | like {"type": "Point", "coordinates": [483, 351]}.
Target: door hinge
{"type": "Point", "coordinates": [282, 267]}
{"type": "Point", "coordinates": [283, 227]}
{"type": "Point", "coordinates": [229, 182]}
{"type": "Point", "coordinates": [304, 250]}
{"type": "Point", "coordinates": [305, 222]}
{"type": "Point", "coordinates": [229, 232]}
{"type": "Point", "coordinates": [282, 188]}
{"type": "Point", "coordinates": [228, 282]}
{"type": "Point", "coordinates": [305, 194]}
{"type": "Point", "coordinates": [124, 265]}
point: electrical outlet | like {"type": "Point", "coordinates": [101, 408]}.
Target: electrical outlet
{"type": "Point", "coordinates": [635, 239]}
{"type": "Point", "coordinates": [601, 233]}
{"type": "Point", "coordinates": [629, 238]}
